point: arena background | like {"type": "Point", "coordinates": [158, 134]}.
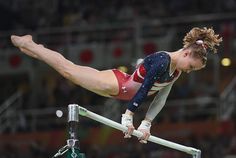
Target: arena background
{"type": "Point", "coordinates": [200, 111]}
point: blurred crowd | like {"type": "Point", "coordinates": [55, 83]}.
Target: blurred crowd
{"type": "Point", "coordinates": [26, 14]}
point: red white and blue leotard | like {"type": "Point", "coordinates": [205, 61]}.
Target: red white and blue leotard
{"type": "Point", "coordinates": [151, 76]}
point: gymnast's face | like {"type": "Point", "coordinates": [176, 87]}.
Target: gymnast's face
{"type": "Point", "coordinates": [187, 63]}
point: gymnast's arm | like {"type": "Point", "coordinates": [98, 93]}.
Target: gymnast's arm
{"type": "Point", "coordinates": [158, 103]}
{"type": "Point", "coordinates": [155, 65]}
{"type": "Point", "coordinates": [147, 84]}
{"type": "Point", "coordinates": [127, 117]}
{"type": "Point", "coordinates": [154, 109]}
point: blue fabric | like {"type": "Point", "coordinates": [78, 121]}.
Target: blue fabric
{"type": "Point", "coordinates": [157, 69]}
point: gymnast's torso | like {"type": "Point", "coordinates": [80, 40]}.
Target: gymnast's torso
{"type": "Point", "coordinates": [151, 75]}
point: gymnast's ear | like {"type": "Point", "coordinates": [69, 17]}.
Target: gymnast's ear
{"type": "Point", "coordinates": [186, 52]}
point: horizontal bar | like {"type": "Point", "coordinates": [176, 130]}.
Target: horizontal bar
{"type": "Point", "coordinates": [84, 112]}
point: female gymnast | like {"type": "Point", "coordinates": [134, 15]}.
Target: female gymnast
{"type": "Point", "coordinates": [156, 73]}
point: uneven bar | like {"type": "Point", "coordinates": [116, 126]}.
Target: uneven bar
{"type": "Point", "coordinates": [189, 150]}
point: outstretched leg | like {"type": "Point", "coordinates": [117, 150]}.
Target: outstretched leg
{"type": "Point", "coordinates": [101, 82]}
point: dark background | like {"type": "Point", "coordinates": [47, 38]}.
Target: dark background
{"type": "Point", "coordinates": [200, 110]}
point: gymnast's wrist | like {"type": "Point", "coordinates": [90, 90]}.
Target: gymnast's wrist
{"type": "Point", "coordinates": [128, 112]}
{"type": "Point", "coordinates": [148, 120]}
{"type": "Point", "coordinates": [145, 125]}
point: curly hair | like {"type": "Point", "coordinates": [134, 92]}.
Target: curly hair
{"type": "Point", "coordinates": [201, 40]}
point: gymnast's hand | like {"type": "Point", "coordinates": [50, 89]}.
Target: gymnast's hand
{"type": "Point", "coordinates": [127, 120]}
{"type": "Point", "coordinates": [145, 129]}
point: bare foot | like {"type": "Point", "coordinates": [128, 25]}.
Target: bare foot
{"type": "Point", "coordinates": [20, 41]}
